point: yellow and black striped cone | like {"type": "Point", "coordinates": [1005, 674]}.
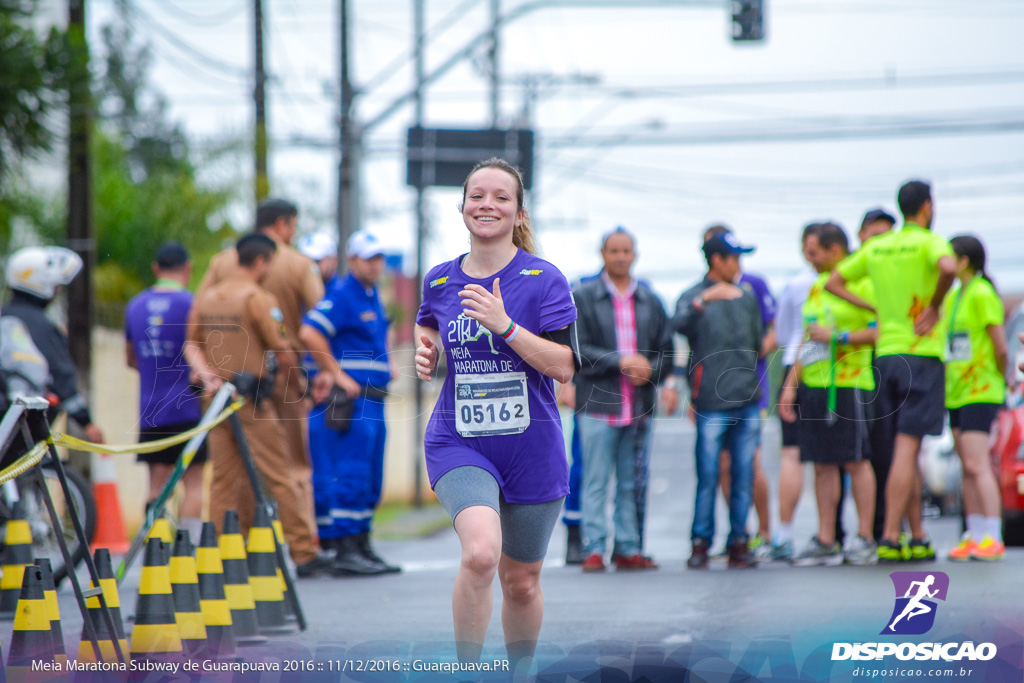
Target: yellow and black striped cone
{"type": "Point", "coordinates": [50, 592]}
{"type": "Point", "coordinates": [188, 611]}
{"type": "Point", "coordinates": [105, 571]}
{"type": "Point", "coordinates": [162, 529]}
{"type": "Point", "coordinates": [17, 556]}
{"type": "Point", "coordinates": [32, 640]}
{"type": "Point", "coordinates": [263, 577]}
{"type": "Point", "coordinates": [155, 636]}
{"type": "Point", "coordinates": [220, 633]}
{"type": "Point", "coordinates": [236, 582]}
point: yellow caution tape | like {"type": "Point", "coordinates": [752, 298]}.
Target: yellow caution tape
{"type": "Point", "coordinates": [59, 439]}
{"type": "Point", "coordinates": [24, 463]}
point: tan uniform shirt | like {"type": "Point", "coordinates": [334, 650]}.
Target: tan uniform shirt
{"type": "Point", "coordinates": [235, 323]}
{"type": "Point", "coordinates": [293, 279]}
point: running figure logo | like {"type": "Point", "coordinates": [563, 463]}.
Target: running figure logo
{"type": "Point", "coordinates": [916, 592]}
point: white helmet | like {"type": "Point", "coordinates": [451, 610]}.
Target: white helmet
{"type": "Point", "coordinates": [40, 270]}
{"type": "Point", "coordinates": [318, 246]}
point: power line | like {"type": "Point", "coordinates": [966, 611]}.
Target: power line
{"type": "Point", "coordinates": [174, 8]}
{"type": "Point", "coordinates": [205, 59]}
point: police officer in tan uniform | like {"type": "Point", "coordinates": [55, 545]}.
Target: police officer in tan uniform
{"type": "Point", "coordinates": [295, 281]}
{"type": "Point", "coordinates": [234, 326]}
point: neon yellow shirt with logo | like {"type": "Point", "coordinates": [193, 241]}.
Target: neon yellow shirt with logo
{"type": "Point", "coordinates": [903, 268]}
{"type": "Point", "coordinates": [974, 377]}
{"type": "Point", "coordinates": [853, 361]}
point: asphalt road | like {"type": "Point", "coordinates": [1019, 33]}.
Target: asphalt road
{"type": "Point", "coordinates": [799, 610]}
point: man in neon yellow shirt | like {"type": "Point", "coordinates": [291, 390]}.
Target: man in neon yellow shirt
{"type": "Point", "coordinates": [834, 372]}
{"type": "Point", "coordinates": [911, 271]}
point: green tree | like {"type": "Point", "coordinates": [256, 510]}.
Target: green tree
{"type": "Point", "coordinates": [31, 74]}
{"type": "Point", "coordinates": [145, 186]}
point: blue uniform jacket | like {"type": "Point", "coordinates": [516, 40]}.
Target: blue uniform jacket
{"type": "Point", "coordinates": [352, 318]}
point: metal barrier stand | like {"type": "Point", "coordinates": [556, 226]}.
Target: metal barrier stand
{"type": "Point", "coordinates": [31, 420]}
{"type": "Point", "coordinates": [265, 501]}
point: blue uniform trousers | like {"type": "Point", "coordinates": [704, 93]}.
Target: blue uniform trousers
{"type": "Point", "coordinates": [348, 469]}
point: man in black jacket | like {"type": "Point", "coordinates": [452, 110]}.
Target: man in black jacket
{"type": "Point", "coordinates": [724, 327]}
{"type": "Point", "coordinates": [626, 348]}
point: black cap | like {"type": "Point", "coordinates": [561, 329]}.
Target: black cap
{"type": "Point", "coordinates": [724, 245]}
{"type": "Point", "coordinates": [172, 255]}
{"type": "Point", "coordinates": [877, 215]}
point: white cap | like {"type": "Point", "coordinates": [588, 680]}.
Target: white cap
{"type": "Point", "coordinates": [318, 246]}
{"type": "Point", "coordinates": [363, 245]}
{"type": "Point", "coordinates": [40, 270]}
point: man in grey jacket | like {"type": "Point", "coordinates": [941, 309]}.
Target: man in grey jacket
{"type": "Point", "coordinates": [626, 348]}
{"type": "Point", "coordinates": [723, 325]}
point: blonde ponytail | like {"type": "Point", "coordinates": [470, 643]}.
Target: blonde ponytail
{"type": "Point", "coordinates": [522, 235]}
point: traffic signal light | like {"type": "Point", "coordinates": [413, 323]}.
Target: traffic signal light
{"type": "Point", "coordinates": [747, 20]}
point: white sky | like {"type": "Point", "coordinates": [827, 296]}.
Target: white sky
{"type": "Point", "coordinates": [664, 192]}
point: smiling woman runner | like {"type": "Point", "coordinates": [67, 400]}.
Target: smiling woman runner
{"type": "Point", "coordinates": [494, 447]}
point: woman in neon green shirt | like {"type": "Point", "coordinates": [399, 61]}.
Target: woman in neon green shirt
{"type": "Point", "coordinates": [976, 360]}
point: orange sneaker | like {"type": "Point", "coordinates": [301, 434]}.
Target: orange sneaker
{"type": "Point", "coordinates": [962, 552]}
{"type": "Point", "coordinates": [988, 550]}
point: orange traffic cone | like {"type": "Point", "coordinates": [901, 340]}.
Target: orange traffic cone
{"type": "Point", "coordinates": [110, 533]}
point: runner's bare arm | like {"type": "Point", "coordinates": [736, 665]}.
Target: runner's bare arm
{"type": "Point", "coordinates": [837, 285]}
{"type": "Point", "coordinates": [930, 316]}
{"type": "Point", "coordinates": [320, 350]}
{"type": "Point", "coordinates": [547, 357]}
{"type": "Point", "coordinates": [998, 336]}
{"type": "Point", "coordinates": [428, 350]}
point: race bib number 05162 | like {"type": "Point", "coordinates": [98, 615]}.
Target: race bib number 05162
{"type": "Point", "coordinates": [491, 404]}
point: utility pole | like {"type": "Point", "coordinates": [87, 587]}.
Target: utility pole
{"type": "Point", "coordinates": [495, 76]}
{"type": "Point", "coordinates": [348, 167]}
{"type": "Point", "coordinates": [260, 95]}
{"type": "Point", "coordinates": [419, 27]}
{"type": "Point", "coordinates": [79, 225]}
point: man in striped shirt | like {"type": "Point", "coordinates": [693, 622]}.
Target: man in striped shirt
{"type": "Point", "coordinates": [626, 348]}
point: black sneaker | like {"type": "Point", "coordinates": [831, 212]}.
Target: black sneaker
{"type": "Point", "coordinates": [699, 555]}
{"type": "Point", "coordinates": [321, 564]}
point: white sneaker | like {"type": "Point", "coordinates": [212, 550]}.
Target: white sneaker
{"type": "Point", "coordinates": [861, 551]}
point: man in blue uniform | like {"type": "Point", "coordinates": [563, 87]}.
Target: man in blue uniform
{"type": "Point", "coordinates": [346, 334]}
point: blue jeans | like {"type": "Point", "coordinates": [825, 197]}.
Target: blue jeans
{"type": "Point", "coordinates": [737, 430]}
{"type": "Point", "coordinates": [609, 450]}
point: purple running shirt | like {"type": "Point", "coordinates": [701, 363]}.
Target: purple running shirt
{"type": "Point", "coordinates": [155, 323]}
{"type": "Point", "coordinates": [495, 411]}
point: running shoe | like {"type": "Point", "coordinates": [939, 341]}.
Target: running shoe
{"type": "Point", "coordinates": [988, 550]}
{"type": "Point", "coordinates": [760, 546]}
{"type": "Point", "coordinates": [962, 552]}
{"type": "Point", "coordinates": [905, 554]}
{"type": "Point", "coordinates": [860, 551]}
{"type": "Point", "coordinates": [889, 552]}
{"type": "Point", "coordinates": [921, 550]}
{"type": "Point", "coordinates": [817, 554]}
{"type": "Point", "coordinates": [782, 552]}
